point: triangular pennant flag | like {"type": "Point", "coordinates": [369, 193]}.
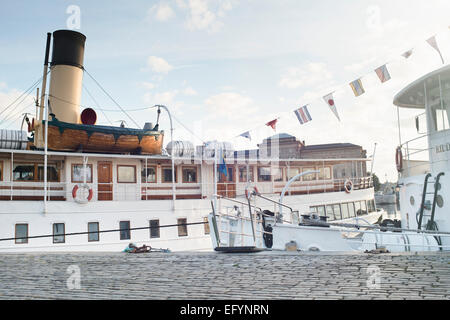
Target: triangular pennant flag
{"type": "Point", "coordinates": [357, 87]}
{"type": "Point", "coordinates": [303, 114]}
{"type": "Point", "coordinates": [407, 54]}
{"type": "Point", "coordinates": [272, 124]}
{"type": "Point", "coordinates": [383, 73]}
{"type": "Point", "coordinates": [330, 101]}
{"type": "Point", "coordinates": [246, 135]}
{"type": "Point", "coordinates": [432, 42]}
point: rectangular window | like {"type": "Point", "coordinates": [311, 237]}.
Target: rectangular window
{"type": "Point", "coordinates": [243, 174]}
{"type": "Point", "coordinates": [93, 228]}
{"type": "Point", "coordinates": [309, 177]}
{"type": "Point", "coordinates": [363, 207]}
{"type": "Point", "coordinates": [78, 173]}
{"type": "Point", "coordinates": [126, 174]}
{"type": "Point", "coordinates": [189, 174]}
{"type": "Point", "coordinates": [351, 209]}
{"type": "Point", "coordinates": [371, 205]}
{"type": "Point", "coordinates": [35, 172]}
{"type": "Point", "coordinates": [337, 212]}
{"type": "Point", "coordinates": [167, 174]}
{"type": "Point", "coordinates": [358, 208]}
{"type": "Point", "coordinates": [324, 173]}
{"type": "Point", "coordinates": [59, 233]}
{"type": "Point", "coordinates": [264, 174]}
{"type": "Point", "coordinates": [292, 172]}
{"type": "Point", "coordinates": [154, 228]}
{"type": "Point", "coordinates": [148, 175]}
{"type": "Point", "coordinates": [125, 233]}
{"type": "Point", "coordinates": [182, 227]}
{"type": "Point", "coordinates": [21, 232]}
{"type": "Point", "coordinates": [345, 213]}
{"type": "Point", "coordinates": [330, 213]}
{"type": "Point", "coordinates": [321, 211]}
{"type": "Point", "coordinates": [205, 219]}
{"type": "Point", "coordinates": [23, 172]}
{"type": "Point", "coordinates": [1, 170]}
{"type": "Point", "coordinates": [277, 174]}
{"type": "Point", "coordinates": [228, 178]}
{"type": "Point", "coordinates": [52, 173]}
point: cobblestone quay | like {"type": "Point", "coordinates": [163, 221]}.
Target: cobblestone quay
{"type": "Point", "coordinates": [224, 276]}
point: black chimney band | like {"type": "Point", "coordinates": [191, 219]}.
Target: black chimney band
{"type": "Point", "coordinates": [68, 48]}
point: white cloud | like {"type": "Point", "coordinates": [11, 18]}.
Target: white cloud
{"type": "Point", "coordinates": [162, 12]}
{"type": "Point", "coordinates": [231, 105]}
{"type": "Point", "coordinates": [202, 17]}
{"type": "Point", "coordinates": [148, 85]}
{"type": "Point", "coordinates": [307, 75]}
{"type": "Point", "coordinates": [158, 65]}
{"type": "Point", "coordinates": [11, 116]}
{"type": "Point", "coordinates": [189, 91]}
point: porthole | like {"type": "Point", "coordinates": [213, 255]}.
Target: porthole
{"type": "Point", "coordinates": [411, 200]}
{"type": "Point", "coordinates": [440, 201]}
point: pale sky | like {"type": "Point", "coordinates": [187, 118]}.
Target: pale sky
{"type": "Point", "coordinates": [225, 67]}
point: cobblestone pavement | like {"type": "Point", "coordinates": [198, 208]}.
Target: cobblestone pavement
{"type": "Point", "coordinates": [225, 276]}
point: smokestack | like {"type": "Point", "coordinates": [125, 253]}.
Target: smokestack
{"type": "Point", "coordinates": [66, 75]}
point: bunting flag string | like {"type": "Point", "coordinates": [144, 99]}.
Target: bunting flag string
{"type": "Point", "coordinates": [303, 115]}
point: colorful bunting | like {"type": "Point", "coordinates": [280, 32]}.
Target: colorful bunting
{"type": "Point", "coordinates": [383, 73]}
{"type": "Point", "coordinates": [272, 124]}
{"type": "Point", "coordinates": [303, 115]}
{"type": "Point", "coordinates": [357, 87]}
{"type": "Point", "coordinates": [330, 101]}
{"type": "Point", "coordinates": [407, 54]}
{"type": "Point", "coordinates": [246, 135]}
{"type": "Point", "coordinates": [432, 42]}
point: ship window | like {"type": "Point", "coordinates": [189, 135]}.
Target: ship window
{"type": "Point", "coordinates": [93, 228]}
{"type": "Point", "coordinates": [351, 209]}
{"type": "Point", "coordinates": [78, 173]}
{"type": "Point", "coordinates": [277, 174]}
{"type": "Point", "coordinates": [23, 172]}
{"type": "Point", "coordinates": [264, 174]}
{"type": "Point", "coordinates": [148, 175]}
{"type": "Point", "coordinates": [324, 173]}
{"type": "Point", "coordinates": [125, 233]}
{"type": "Point", "coordinates": [358, 208]}
{"type": "Point", "coordinates": [308, 177]}
{"type": "Point", "coordinates": [154, 228]}
{"type": "Point", "coordinates": [52, 173]}
{"type": "Point", "coordinates": [59, 233]}
{"type": "Point", "coordinates": [321, 211]}
{"type": "Point", "coordinates": [167, 174]}
{"type": "Point", "coordinates": [126, 174]}
{"type": "Point", "coordinates": [371, 205]}
{"type": "Point", "coordinates": [344, 208]}
{"type": "Point", "coordinates": [1, 170]}
{"type": "Point", "coordinates": [182, 227]}
{"type": "Point", "coordinates": [363, 207]}
{"type": "Point", "coordinates": [337, 212]}
{"type": "Point", "coordinates": [190, 175]}
{"type": "Point", "coordinates": [21, 232]}
{"type": "Point", "coordinates": [228, 178]}
{"type": "Point", "coordinates": [205, 219]}
{"type": "Point", "coordinates": [243, 174]}
{"type": "Point", "coordinates": [292, 172]}
{"type": "Point", "coordinates": [330, 213]}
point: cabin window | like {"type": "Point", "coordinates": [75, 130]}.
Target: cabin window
{"type": "Point", "coordinates": [125, 233]}
{"type": "Point", "coordinates": [1, 170]}
{"type": "Point", "coordinates": [189, 174]}
{"type": "Point", "coordinates": [78, 173]}
{"type": "Point", "coordinates": [351, 209]}
{"type": "Point", "coordinates": [330, 213]}
{"type": "Point", "coordinates": [371, 205]}
{"type": "Point", "coordinates": [182, 227]}
{"type": "Point", "coordinates": [324, 173]}
{"type": "Point", "coordinates": [21, 232]}
{"type": "Point", "coordinates": [358, 208]}
{"type": "Point", "coordinates": [35, 172]}
{"type": "Point", "coordinates": [292, 172]}
{"type": "Point", "coordinates": [205, 219]}
{"type": "Point", "coordinates": [52, 173]}
{"type": "Point", "coordinates": [228, 178]}
{"type": "Point", "coordinates": [337, 212]}
{"type": "Point", "coordinates": [154, 229]}
{"type": "Point", "coordinates": [309, 177]}
{"type": "Point", "coordinates": [59, 233]}
{"type": "Point", "coordinates": [148, 175]}
{"type": "Point", "coordinates": [277, 174]}
{"type": "Point", "coordinates": [243, 175]}
{"type": "Point", "coordinates": [23, 172]}
{"type": "Point", "coordinates": [264, 174]}
{"type": "Point", "coordinates": [321, 211]}
{"type": "Point", "coordinates": [167, 174]}
{"type": "Point", "coordinates": [93, 228]}
{"type": "Point", "coordinates": [344, 210]}
{"type": "Point", "coordinates": [363, 207]}
{"type": "Point", "coordinates": [126, 174]}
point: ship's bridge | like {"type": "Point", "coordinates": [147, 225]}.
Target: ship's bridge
{"type": "Point", "coordinates": [431, 93]}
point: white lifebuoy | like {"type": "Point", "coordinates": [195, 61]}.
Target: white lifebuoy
{"type": "Point", "coordinates": [348, 186]}
{"type": "Point", "coordinates": [83, 186]}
